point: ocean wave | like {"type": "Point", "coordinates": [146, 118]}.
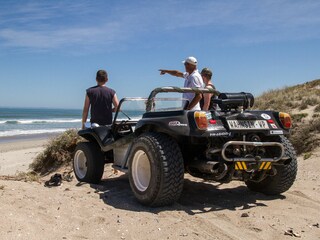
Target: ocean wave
{"type": "Point", "coordinates": [39, 121]}
{"type": "Point", "coordinates": [11, 133]}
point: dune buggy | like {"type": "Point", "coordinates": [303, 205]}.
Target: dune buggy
{"type": "Point", "coordinates": [158, 147]}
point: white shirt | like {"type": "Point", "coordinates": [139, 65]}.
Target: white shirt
{"type": "Point", "coordinates": [193, 80]}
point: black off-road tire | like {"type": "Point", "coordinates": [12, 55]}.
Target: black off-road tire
{"type": "Point", "coordinates": [156, 170]}
{"type": "Point", "coordinates": [88, 162]}
{"type": "Point", "coordinates": [285, 177]}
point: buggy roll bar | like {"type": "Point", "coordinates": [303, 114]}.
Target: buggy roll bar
{"type": "Point", "coordinates": [120, 103]}
{"type": "Point", "coordinates": [178, 90]}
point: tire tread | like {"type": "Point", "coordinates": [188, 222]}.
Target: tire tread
{"type": "Point", "coordinates": [169, 184]}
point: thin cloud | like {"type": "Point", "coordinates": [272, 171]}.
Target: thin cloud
{"type": "Point", "coordinates": [52, 25]}
{"type": "Point", "coordinates": [51, 39]}
{"type": "Point", "coordinates": [259, 21]}
{"type": "Point", "coordinates": [55, 25]}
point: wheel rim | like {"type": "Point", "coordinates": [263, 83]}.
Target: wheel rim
{"type": "Point", "coordinates": [80, 164]}
{"type": "Point", "coordinates": [141, 170]}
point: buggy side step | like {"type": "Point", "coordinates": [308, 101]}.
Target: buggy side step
{"type": "Point", "coordinates": [125, 170]}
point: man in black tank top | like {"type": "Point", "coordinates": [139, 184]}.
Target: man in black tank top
{"type": "Point", "coordinates": [100, 99]}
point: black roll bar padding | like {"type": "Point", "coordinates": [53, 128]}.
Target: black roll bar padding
{"type": "Point", "coordinates": [242, 99]}
{"type": "Point", "coordinates": [226, 104]}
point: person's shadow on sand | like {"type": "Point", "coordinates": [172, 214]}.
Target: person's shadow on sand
{"type": "Point", "coordinates": [196, 197]}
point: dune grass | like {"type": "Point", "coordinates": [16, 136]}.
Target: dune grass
{"type": "Point", "coordinates": [57, 153]}
{"type": "Point", "coordinates": [306, 137]}
{"type": "Point", "coordinates": [302, 102]}
{"type": "Point", "coordinates": [297, 97]}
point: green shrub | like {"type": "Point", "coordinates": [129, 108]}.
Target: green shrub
{"type": "Point", "coordinates": [307, 155]}
{"type": "Point", "coordinates": [57, 153]}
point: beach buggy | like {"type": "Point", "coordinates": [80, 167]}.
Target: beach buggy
{"type": "Point", "coordinates": [158, 147]}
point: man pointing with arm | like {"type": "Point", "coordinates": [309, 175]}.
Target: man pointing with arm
{"type": "Point", "coordinates": [192, 78]}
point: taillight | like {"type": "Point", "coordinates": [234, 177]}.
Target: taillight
{"type": "Point", "coordinates": [285, 119]}
{"type": "Point", "coordinates": [201, 120]}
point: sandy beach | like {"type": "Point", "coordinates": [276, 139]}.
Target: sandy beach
{"type": "Point", "coordinates": [109, 210]}
{"type": "Point", "coordinates": [16, 155]}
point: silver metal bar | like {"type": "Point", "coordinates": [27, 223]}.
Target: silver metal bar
{"type": "Point", "coordinates": [122, 141]}
{"type": "Point", "coordinates": [126, 157]}
{"type": "Point", "coordinates": [254, 144]}
{"type": "Point", "coordinates": [178, 90]}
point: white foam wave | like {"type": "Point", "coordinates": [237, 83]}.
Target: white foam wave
{"type": "Point", "coordinates": [131, 119]}
{"type": "Point", "coordinates": [11, 133]}
{"type": "Point", "coordinates": [35, 121]}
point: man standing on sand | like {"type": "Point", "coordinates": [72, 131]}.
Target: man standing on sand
{"type": "Point", "coordinates": [100, 98]}
{"type": "Point", "coordinates": [192, 79]}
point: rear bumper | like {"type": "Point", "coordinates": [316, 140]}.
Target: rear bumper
{"type": "Point", "coordinates": [254, 144]}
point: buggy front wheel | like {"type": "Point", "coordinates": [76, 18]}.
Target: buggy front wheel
{"type": "Point", "coordinates": [88, 162]}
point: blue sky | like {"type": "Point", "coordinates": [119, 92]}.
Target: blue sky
{"type": "Point", "coordinates": [51, 50]}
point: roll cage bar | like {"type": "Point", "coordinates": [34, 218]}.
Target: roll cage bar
{"type": "Point", "coordinates": [178, 90]}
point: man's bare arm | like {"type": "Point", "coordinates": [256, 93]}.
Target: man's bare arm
{"type": "Point", "coordinates": [85, 111]}
{"type": "Point", "coordinates": [194, 101]}
{"type": "Point", "coordinates": [115, 102]}
{"type": "Point", "coordinates": [175, 73]}
{"type": "Point", "coordinates": [207, 98]}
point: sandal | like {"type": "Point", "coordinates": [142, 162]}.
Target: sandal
{"type": "Point", "coordinates": [55, 180]}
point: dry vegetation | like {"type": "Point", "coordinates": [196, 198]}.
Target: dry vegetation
{"type": "Point", "coordinates": [57, 153]}
{"type": "Point", "coordinates": [303, 103]}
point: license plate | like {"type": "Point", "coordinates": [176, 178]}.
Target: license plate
{"type": "Point", "coordinates": [246, 124]}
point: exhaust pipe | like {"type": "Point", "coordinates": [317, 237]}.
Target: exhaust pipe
{"type": "Point", "coordinates": [217, 169]}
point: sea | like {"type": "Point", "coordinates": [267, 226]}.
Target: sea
{"type": "Point", "coordinates": [32, 122]}
{"type": "Point", "coordinates": [28, 123]}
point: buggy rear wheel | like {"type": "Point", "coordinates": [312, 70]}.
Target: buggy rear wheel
{"type": "Point", "coordinates": [156, 169]}
{"type": "Point", "coordinates": [88, 162]}
{"type": "Point", "coordinates": [285, 176]}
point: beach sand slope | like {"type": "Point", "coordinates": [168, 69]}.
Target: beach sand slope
{"type": "Point", "coordinates": [16, 156]}
{"type": "Point", "coordinates": [205, 211]}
